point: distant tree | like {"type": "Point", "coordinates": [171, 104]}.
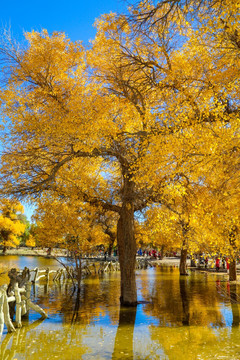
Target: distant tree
{"type": "Point", "coordinates": [24, 237]}
{"type": "Point", "coordinates": [11, 228]}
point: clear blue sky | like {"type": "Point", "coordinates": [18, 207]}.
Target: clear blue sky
{"type": "Point", "coordinates": [74, 17]}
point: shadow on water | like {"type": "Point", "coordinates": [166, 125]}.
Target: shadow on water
{"type": "Point", "coordinates": [234, 305]}
{"type": "Point", "coordinates": [75, 315]}
{"type": "Point", "coordinates": [15, 341]}
{"type": "Point", "coordinates": [123, 347]}
{"type": "Point", "coordinates": [185, 300]}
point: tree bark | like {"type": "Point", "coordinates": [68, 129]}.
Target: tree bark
{"type": "Point", "coordinates": [4, 250]}
{"type": "Point", "coordinates": [184, 251]}
{"type": "Point", "coordinates": [193, 262]}
{"type": "Point", "coordinates": [232, 270]}
{"type": "Point", "coordinates": [110, 246]}
{"type": "Point", "coordinates": [78, 263]}
{"type": "Point", "coordinates": [127, 254]}
{"type": "Point", "coordinates": [183, 262]}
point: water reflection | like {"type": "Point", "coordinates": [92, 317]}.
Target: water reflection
{"type": "Point", "coordinates": [123, 347]}
{"type": "Point", "coordinates": [234, 305]}
{"type": "Point", "coordinates": [185, 300]}
{"type": "Point", "coordinates": [195, 317]}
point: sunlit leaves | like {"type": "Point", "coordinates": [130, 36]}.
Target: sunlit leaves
{"type": "Point", "coordinates": [10, 227]}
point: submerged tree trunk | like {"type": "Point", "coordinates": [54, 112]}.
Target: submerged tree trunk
{"type": "Point", "coordinates": [127, 254]}
{"type": "Point", "coordinates": [232, 264]}
{"type": "Point", "coordinates": [232, 270]}
{"type": "Point", "coordinates": [183, 262]}
{"type": "Point", "coordinates": [184, 250]}
{"type": "Point", "coordinates": [78, 263]}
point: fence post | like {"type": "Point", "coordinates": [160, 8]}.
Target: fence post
{"type": "Point", "coordinates": [18, 306]}
{"type": "Point", "coordinates": [47, 275]}
{"type": "Point", "coordinates": [7, 318]}
{"type": "Point", "coordinates": [1, 312]}
{"type": "Point", "coordinates": [35, 307]}
{"type": "Point", "coordinates": [28, 294]}
{"type": "Point", "coordinates": [36, 274]}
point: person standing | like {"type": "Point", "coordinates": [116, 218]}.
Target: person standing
{"type": "Point", "coordinates": [227, 265]}
{"type": "Point", "coordinates": [217, 263]}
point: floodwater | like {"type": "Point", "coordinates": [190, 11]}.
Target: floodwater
{"type": "Point", "coordinates": [195, 317]}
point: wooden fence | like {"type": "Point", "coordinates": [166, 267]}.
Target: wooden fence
{"type": "Point", "coordinates": [21, 297]}
{"type": "Point", "coordinates": [18, 298]}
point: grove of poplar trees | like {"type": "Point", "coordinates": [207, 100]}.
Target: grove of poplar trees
{"type": "Point", "coordinates": [144, 123]}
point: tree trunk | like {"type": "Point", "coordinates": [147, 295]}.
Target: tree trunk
{"type": "Point", "coordinates": [193, 261]}
{"type": "Point", "coordinates": [127, 254]}
{"type": "Point", "coordinates": [162, 252]}
{"type": "Point", "coordinates": [110, 246]}
{"type": "Point", "coordinates": [78, 263]}
{"type": "Point", "coordinates": [184, 251]}
{"type": "Point", "coordinates": [232, 270]}
{"type": "Point", "coordinates": [4, 250]}
{"type": "Point", "coordinates": [183, 262]}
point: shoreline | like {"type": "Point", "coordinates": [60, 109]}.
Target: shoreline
{"type": "Point", "coordinates": [168, 261]}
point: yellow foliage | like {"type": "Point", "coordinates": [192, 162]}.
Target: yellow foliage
{"type": "Point", "coordinates": [149, 117]}
{"type": "Point", "coordinates": [10, 227]}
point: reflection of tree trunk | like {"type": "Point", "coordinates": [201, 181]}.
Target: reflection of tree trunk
{"type": "Point", "coordinates": [127, 252]}
{"type": "Point", "coordinates": [232, 270]}
{"type": "Point", "coordinates": [234, 305]}
{"type": "Point", "coordinates": [76, 307]}
{"type": "Point", "coordinates": [124, 336]}
{"type": "Point", "coordinates": [185, 301]}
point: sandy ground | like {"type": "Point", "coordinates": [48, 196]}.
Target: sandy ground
{"type": "Point", "coordinates": [35, 251]}
{"type": "Point", "coordinates": [25, 251]}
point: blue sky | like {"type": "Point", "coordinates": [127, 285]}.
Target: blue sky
{"type": "Point", "coordinates": [74, 17]}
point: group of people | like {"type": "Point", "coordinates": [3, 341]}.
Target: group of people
{"type": "Point", "coordinates": [153, 253]}
{"type": "Point", "coordinates": [222, 262]}
{"type": "Point", "coordinates": [219, 263]}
